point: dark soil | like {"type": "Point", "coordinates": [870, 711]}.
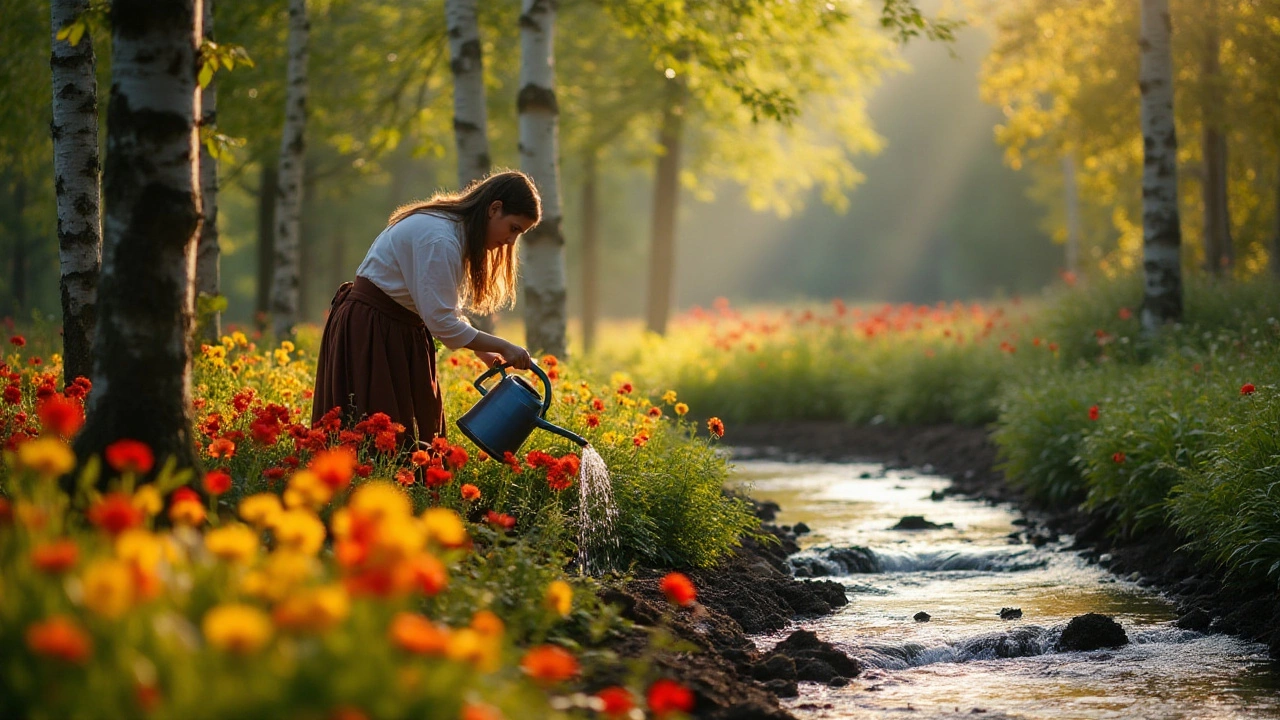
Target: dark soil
{"type": "Point", "coordinates": [1205, 599]}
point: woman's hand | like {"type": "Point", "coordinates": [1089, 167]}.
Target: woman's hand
{"type": "Point", "coordinates": [490, 359]}
{"type": "Point", "coordinates": [517, 356]}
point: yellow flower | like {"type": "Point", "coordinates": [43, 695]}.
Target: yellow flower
{"type": "Point", "coordinates": [237, 628]}
{"type": "Point", "coordinates": [306, 489]}
{"type": "Point", "coordinates": [286, 346]}
{"type": "Point", "coordinates": [299, 530]}
{"type": "Point", "coordinates": [380, 500]}
{"type": "Point", "coordinates": [228, 342]}
{"type": "Point", "coordinates": [48, 456]}
{"type": "Point", "coordinates": [681, 408]}
{"type": "Point", "coordinates": [467, 645]}
{"type": "Point", "coordinates": [240, 339]}
{"type": "Point", "coordinates": [445, 528]}
{"type": "Point", "coordinates": [402, 537]}
{"type": "Point", "coordinates": [148, 500]}
{"type": "Point", "coordinates": [140, 547]}
{"type": "Point", "coordinates": [669, 397]}
{"type": "Point", "coordinates": [235, 543]}
{"type": "Point", "coordinates": [314, 609]}
{"type": "Point", "coordinates": [559, 598]}
{"type": "Point", "coordinates": [261, 509]}
{"type": "Point", "coordinates": [108, 588]}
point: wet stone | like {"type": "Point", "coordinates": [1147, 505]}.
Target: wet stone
{"type": "Point", "coordinates": [918, 522]}
{"type": "Point", "coordinates": [1010, 613]}
{"type": "Point", "coordinates": [1195, 619]}
{"type": "Point", "coordinates": [1091, 632]}
{"type": "Point", "coordinates": [801, 528]}
{"type": "Point", "coordinates": [922, 616]}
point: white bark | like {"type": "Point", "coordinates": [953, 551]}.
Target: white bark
{"type": "Point", "coordinates": [142, 353]}
{"type": "Point", "coordinates": [208, 250]}
{"type": "Point", "coordinates": [470, 117]}
{"type": "Point", "coordinates": [1161, 233]}
{"type": "Point", "coordinates": [543, 261]}
{"type": "Point", "coordinates": [284, 287]}
{"type": "Point", "coordinates": [76, 169]}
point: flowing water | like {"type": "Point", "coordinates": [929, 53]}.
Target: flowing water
{"type": "Point", "coordinates": [596, 513]}
{"type": "Point", "coordinates": [965, 660]}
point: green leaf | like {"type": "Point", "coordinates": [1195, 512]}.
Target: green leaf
{"type": "Point", "coordinates": [206, 74]}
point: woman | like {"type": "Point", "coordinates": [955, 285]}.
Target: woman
{"type": "Point", "coordinates": [433, 259]}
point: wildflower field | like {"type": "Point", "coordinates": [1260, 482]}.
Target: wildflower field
{"type": "Point", "coordinates": [1177, 432]}
{"type": "Point", "coordinates": [318, 571]}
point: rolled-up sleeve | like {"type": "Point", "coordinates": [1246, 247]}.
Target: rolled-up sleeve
{"type": "Point", "coordinates": [433, 270]}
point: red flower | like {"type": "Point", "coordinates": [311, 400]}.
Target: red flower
{"type": "Point", "coordinates": [597, 404]}
{"type": "Point", "coordinates": [668, 696]}
{"type": "Point", "coordinates": [1093, 412]}
{"type": "Point", "coordinates": [500, 520]}
{"type": "Point", "coordinates": [513, 462]}
{"type": "Point", "coordinates": [593, 421]}
{"type": "Point", "coordinates": [438, 476]}
{"type": "Point", "coordinates": [61, 416]}
{"type": "Point", "coordinates": [549, 664]}
{"type": "Point", "coordinates": [716, 426]}
{"type": "Point", "coordinates": [539, 459]}
{"type": "Point", "coordinates": [617, 701]}
{"type": "Point", "coordinates": [217, 481]}
{"type": "Point", "coordinates": [222, 448]}
{"type": "Point", "coordinates": [549, 361]}
{"type": "Point", "coordinates": [18, 340]}
{"type": "Point", "coordinates": [625, 389]}
{"type": "Point", "coordinates": [130, 456]}
{"type": "Point", "coordinates": [420, 458]}
{"type": "Point", "coordinates": [12, 394]}
{"type": "Point", "coordinates": [456, 457]}
{"type": "Point", "coordinates": [334, 467]}
{"type": "Point", "coordinates": [679, 589]}
{"type": "Point", "coordinates": [115, 513]}
{"type": "Point", "coordinates": [364, 470]}
{"type": "Point", "coordinates": [1125, 313]}
{"type": "Point", "coordinates": [1118, 458]}
{"type": "Point", "coordinates": [655, 412]}
{"type": "Point", "coordinates": [1247, 389]}
{"type": "Point", "coordinates": [274, 473]}
{"type": "Point", "coordinates": [55, 557]}
{"type": "Point", "coordinates": [405, 477]}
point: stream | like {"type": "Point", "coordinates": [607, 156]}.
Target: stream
{"type": "Point", "coordinates": [966, 660]}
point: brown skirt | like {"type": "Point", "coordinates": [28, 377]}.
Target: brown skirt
{"type": "Point", "coordinates": [376, 355]}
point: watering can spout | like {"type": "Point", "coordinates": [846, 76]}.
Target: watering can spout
{"type": "Point", "coordinates": [561, 431]}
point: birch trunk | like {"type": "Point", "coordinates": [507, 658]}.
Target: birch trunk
{"type": "Point", "coordinates": [208, 249]}
{"type": "Point", "coordinates": [590, 252]}
{"type": "Point", "coordinates": [666, 198]}
{"type": "Point", "coordinates": [1218, 251]}
{"type": "Point", "coordinates": [284, 286]}
{"type": "Point", "coordinates": [543, 255]}
{"type": "Point", "coordinates": [470, 118]}
{"type": "Point", "coordinates": [151, 189]}
{"type": "Point", "coordinates": [268, 186]}
{"type": "Point", "coordinates": [1161, 233]}
{"type": "Point", "coordinates": [76, 167]}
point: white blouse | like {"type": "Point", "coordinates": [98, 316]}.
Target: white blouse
{"type": "Point", "coordinates": [418, 263]}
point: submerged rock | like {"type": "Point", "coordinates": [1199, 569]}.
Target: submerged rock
{"type": "Point", "coordinates": [922, 616]}
{"type": "Point", "coordinates": [1195, 619]}
{"type": "Point", "coordinates": [917, 522]}
{"type": "Point", "coordinates": [1092, 632]}
{"type": "Point", "coordinates": [815, 660]}
{"type": "Point", "coordinates": [1010, 613]}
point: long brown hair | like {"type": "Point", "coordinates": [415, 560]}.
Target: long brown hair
{"type": "Point", "coordinates": [491, 274]}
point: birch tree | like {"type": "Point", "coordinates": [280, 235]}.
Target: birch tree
{"type": "Point", "coordinates": [76, 168]}
{"type": "Point", "coordinates": [1161, 232]}
{"type": "Point", "coordinates": [288, 201]}
{"type": "Point", "coordinates": [142, 353]}
{"type": "Point", "coordinates": [543, 256]}
{"type": "Point", "coordinates": [208, 250]}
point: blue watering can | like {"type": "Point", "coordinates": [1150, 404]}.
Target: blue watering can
{"type": "Point", "coordinates": [502, 419]}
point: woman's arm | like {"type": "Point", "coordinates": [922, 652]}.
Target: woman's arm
{"type": "Point", "coordinates": [506, 351]}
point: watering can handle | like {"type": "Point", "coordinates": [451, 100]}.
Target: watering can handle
{"type": "Point", "coordinates": [546, 384]}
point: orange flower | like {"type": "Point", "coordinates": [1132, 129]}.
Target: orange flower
{"type": "Point", "coordinates": [425, 573]}
{"type": "Point", "coordinates": [59, 637]}
{"type": "Point", "coordinates": [131, 456]}
{"type": "Point", "coordinates": [420, 458]}
{"type": "Point", "coordinates": [405, 477]}
{"type": "Point", "coordinates": [471, 711]}
{"type": "Point", "coordinates": [186, 508]}
{"type": "Point", "coordinates": [335, 467]}
{"type": "Point", "coordinates": [55, 557]}
{"type": "Point", "coordinates": [115, 513]}
{"type": "Point", "coordinates": [222, 448]}
{"type": "Point", "coordinates": [416, 634]}
{"type": "Point", "coordinates": [617, 701]}
{"type": "Point", "coordinates": [678, 588]}
{"type": "Point", "coordinates": [217, 482]}
{"type": "Point", "coordinates": [470, 492]}
{"type": "Point", "coordinates": [668, 696]}
{"type": "Point", "coordinates": [549, 664]}
{"type": "Point", "coordinates": [716, 426]}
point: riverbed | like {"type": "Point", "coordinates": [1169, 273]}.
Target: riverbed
{"type": "Point", "coordinates": [967, 659]}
